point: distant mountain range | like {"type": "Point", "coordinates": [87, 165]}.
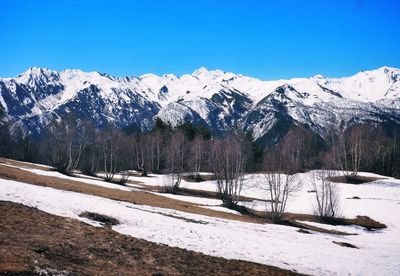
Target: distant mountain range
{"type": "Point", "coordinates": [223, 101]}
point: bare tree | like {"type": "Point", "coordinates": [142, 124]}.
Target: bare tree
{"type": "Point", "coordinates": [110, 145]}
{"type": "Point", "coordinates": [90, 161]}
{"type": "Point", "coordinates": [140, 154]}
{"type": "Point", "coordinates": [347, 145]}
{"type": "Point", "coordinates": [356, 146]}
{"type": "Point", "coordinates": [337, 143]}
{"type": "Point", "coordinates": [5, 139]}
{"type": "Point", "coordinates": [280, 187]}
{"type": "Point", "coordinates": [67, 141]}
{"type": "Point", "coordinates": [124, 177]}
{"type": "Point", "coordinates": [175, 160]}
{"type": "Point", "coordinates": [197, 155]}
{"type": "Point", "coordinates": [158, 150]}
{"type": "Point", "coordinates": [228, 158]}
{"type": "Point", "coordinates": [279, 183]}
{"type": "Point", "coordinates": [147, 151]}
{"type": "Point", "coordinates": [326, 194]}
{"type": "Point", "coordinates": [25, 145]}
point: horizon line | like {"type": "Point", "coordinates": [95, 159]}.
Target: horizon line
{"type": "Point", "coordinates": [201, 68]}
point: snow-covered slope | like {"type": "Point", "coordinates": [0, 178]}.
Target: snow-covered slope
{"type": "Point", "coordinates": [377, 252]}
{"type": "Point", "coordinates": [219, 99]}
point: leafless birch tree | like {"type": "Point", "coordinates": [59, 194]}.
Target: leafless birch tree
{"type": "Point", "coordinates": [197, 155]}
{"type": "Point", "coordinates": [110, 145]}
{"type": "Point", "coordinates": [67, 141]}
{"type": "Point", "coordinates": [175, 160]}
{"type": "Point", "coordinates": [326, 194]}
{"type": "Point", "coordinates": [279, 183]}
{"type": "Point", "coordinates": [228, 158]}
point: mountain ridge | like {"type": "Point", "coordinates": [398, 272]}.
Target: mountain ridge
{"type": "Point", "coordinates": [223, 101]}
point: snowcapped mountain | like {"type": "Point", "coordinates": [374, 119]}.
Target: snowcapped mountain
{"type": "Point", "coordinates": [222, 100]}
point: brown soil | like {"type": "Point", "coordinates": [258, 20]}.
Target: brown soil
{"type": "Point", "coordinates": [362, 221]}
{"type": "Point", "coordinates": [354, 197]}
{"type": "Point", "coordinates": [103, 219]}
{"type": "Point", "coordinates": [345, 244]}
{"type": "Point", "coordinates": [200, 178]}
{"type": "Point", "coordinates": [32, 241]}
{"type": "Point", "coordinates": [303, 231]}
{"type": "Point", "coordinates": [350, 179]}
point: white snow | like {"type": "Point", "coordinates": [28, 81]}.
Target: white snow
{"type": "Point", "coordinates": [380, 87]}
{"type": "Point", "coordinates": [221, 209]}
{"type": "Point", "coordinates": [282, 246]}
{"type": "Point", "coordinates": [192, 199]}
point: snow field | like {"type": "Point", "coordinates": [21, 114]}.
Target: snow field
{"type": "Point", "coordinates": [277, 245]}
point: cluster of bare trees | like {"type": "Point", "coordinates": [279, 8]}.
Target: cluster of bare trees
{"type": "Point", "coordinates": [5, 138]}
{"type": "Point", "coordinates": [69, 144]}
{"type": "Point", "coordinates": [174, 151]}
{"type": "Point", "coordinates": [228, 158]}
{"type": "Point", "coordinates": [279, 180]}
{"type": "Point", "coordinates": [67, 140]}
{"type": "Point", "coordinates": [176, 155]}
{"type": "Point", "coordinates": [350, 148]}
{"type": "Point", "coordinates": [367, 147]}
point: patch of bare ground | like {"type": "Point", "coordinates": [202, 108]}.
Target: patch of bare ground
{"type": "Point", "coordinates": [363, 221]}
{"type": "Point", "coordinates": [23, 164]}
{"type": "Point", "coordinates": [301, 230]}
{"type": "Point", "coordinates": [103, 219]}
{"type": "Point", "coordinates": [199, 177]}
{"type": "Point", "coordinates": [351, 179]}
{"type": "Point", "coordinates": [366, 222]}
{"type": "Point", "coordinates": [204, 194]}
{"type": "Point", "coordinates": [33, 242]}
{"type": "Point", "coordinates": [345, 244]}
{"type": "Point", "coordinates": [354, 197]}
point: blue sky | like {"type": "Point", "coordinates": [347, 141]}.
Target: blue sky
{"type": "Point", "coordinates": [264, 39]}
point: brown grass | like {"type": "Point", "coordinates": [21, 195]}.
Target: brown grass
{"type": "Point", "coordinates": [23, 164]}
{"type": "Point", "coordinates": [362, 221]}
{"type": "Point", "coordinates": [31, 239]}
{"type": "Point", "coordinates": [203, 194]}
{"type": "Point", "coordinates": [366, 222]}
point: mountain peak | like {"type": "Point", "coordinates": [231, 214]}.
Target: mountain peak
{"type": "Point", "coordinates": [387, 69]}
{"type": "Point", "coordinates": [75, 71]}
{"type": "Point", "coordinates": [282, 89]}
{"type": "Point", "coordinates": [37, 71]}
{"type": "Point", "coordinates": [319, 76]}
{"type": "Point", "coordinates": [201, 71]}
{"type": "Point", "coordinates": [204, 72]}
